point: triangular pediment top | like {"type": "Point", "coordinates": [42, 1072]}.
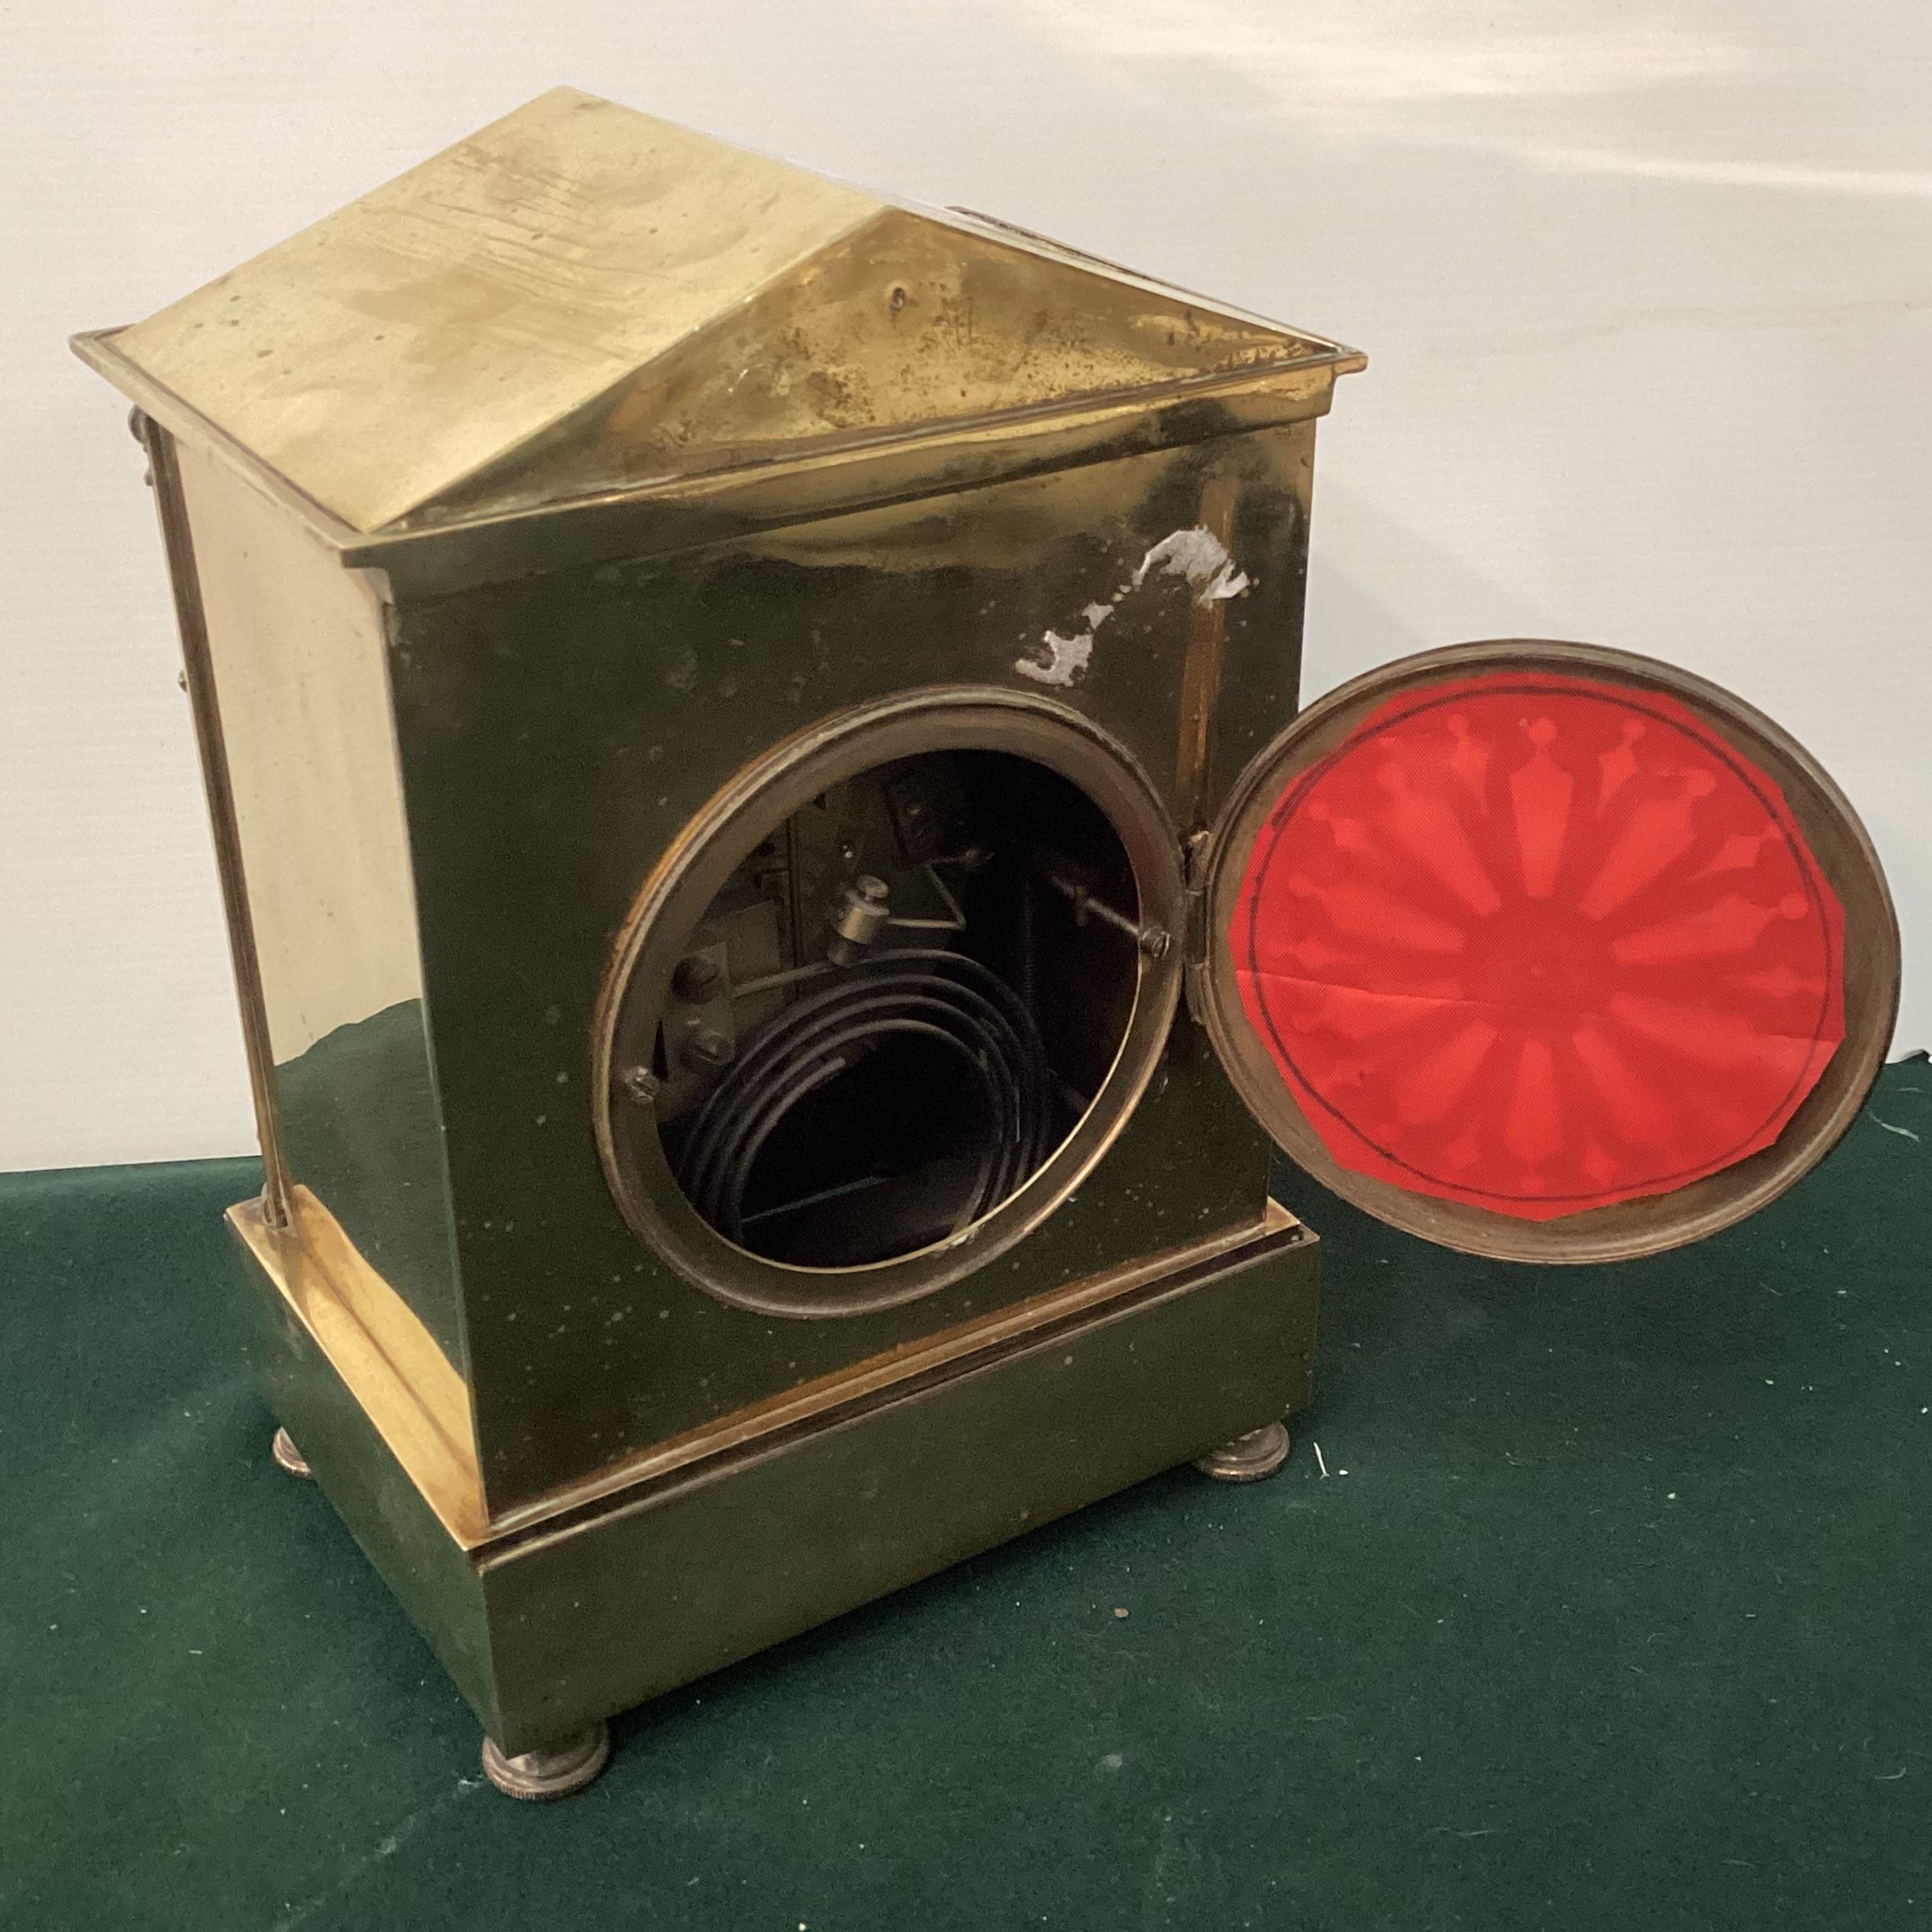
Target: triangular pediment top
{"type": "Point", "coordinates": [581, 298]}
{"type": "Point", "coordinates": [908, 324]}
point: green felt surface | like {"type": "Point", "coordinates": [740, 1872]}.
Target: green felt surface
{"type": "Point", "coordinates": [1617, 1618]}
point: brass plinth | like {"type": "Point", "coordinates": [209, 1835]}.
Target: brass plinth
{"type": "Point", "coordinates": [621, 1587]}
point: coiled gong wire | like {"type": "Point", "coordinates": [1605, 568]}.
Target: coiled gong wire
{"type": "Point", "coordinates": [944, 999]}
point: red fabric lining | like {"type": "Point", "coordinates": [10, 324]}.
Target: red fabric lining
{"type": "Point", "coordinates": [1539, 943]}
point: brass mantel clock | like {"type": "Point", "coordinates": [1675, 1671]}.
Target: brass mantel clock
{"type": "Point", "coordinates": [779, 890]}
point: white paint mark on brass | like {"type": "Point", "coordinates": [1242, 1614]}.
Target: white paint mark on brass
{"type": "Point", "coordinates": [1067, 657]}
{"type": "Point", "coordinates": [1200, 557]}
{"type": "Point", "coordinates": [1197, 554]}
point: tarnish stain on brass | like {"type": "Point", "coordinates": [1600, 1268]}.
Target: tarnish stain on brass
{"type": "Point", "coordinates": [1200, 555]}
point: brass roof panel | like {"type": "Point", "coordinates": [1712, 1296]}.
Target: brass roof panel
{"type": "Point", "coordinates": [582, 299]}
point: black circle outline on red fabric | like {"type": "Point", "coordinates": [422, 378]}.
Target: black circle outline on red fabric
{"type": "Point", "coordinates": [1599, 690]}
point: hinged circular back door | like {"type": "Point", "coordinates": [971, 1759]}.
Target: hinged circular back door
{"type": "Point", "coordinates": [1546, 952]}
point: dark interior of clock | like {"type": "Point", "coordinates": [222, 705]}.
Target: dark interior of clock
{"type": "Point", "coordinates": [897, 1008]}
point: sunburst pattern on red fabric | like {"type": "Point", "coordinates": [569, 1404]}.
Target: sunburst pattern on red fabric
{"type": "Point", "coordinates": [1539, 943]}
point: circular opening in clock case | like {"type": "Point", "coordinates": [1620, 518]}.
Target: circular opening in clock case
{"type": "Point", "coordinates": [886, 1001]}
{"type": "Point", "coordinates": [1547, 952]}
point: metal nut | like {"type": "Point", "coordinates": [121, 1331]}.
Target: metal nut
{"type": "Point", "coordinates": [859, 908]}
{"type": "Point", "coordinates": [709, 1045]}
{"type": "Point", "coordinates": [696, 978]}
{"type": "Point", "coordinates": [640, 1084]}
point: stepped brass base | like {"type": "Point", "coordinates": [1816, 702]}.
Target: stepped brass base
{"type": "Point", "coordinates": [561, 1619]}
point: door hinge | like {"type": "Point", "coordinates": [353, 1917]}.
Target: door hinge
{"type": "Point", "coordinates": [1194, 856]}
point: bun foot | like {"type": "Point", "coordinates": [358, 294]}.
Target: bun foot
{"type": "Point", "coordinates": [1249, 1457]}
{"type": "Point", "coordinates": [288, 1456]}
{"type": "Point", "coordinates": [538, 1774]}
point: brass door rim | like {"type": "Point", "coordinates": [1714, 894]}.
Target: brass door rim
{"type": "Point", "coordinates": [1652, 1223]}
{"type": "Point", "coordinates": [753, 805]}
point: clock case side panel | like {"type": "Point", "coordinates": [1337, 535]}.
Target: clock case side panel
{"type": "Point", "coordinates": [284, 654]}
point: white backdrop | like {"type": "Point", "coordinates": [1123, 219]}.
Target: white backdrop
{"type": "Point", "coordinates": [1644, 292]}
